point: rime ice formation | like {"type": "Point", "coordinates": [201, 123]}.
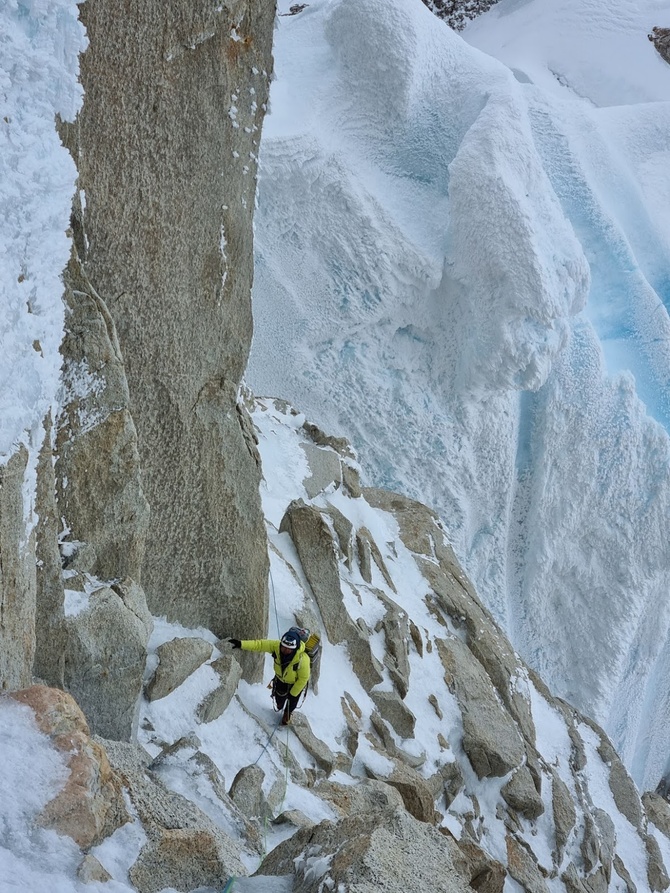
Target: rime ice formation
{"type": "Point", "coordinates": [462, 265]}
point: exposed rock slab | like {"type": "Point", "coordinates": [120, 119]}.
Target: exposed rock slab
{"type": "Point", "coordinates": [325, 468]}
{"type": "Point", "coordinates": [412, 787]}
{"type": "Point", "coordinates": [322, 754]}
{"type": "Point", "coordinates": [50, 629]}
{"type": "Point", "coordinates": [368, 795]}
{"type": "Point", "coordinates": [98, 464]}
{"type": "Point", "coordinates": [185, 848]}
{"type": "Point", "coordinates": [660, 37]}
{"type": "Point", "coordinates": [18, 583]}
{"type": "Point", "coordinates": [490, 737]}
{"type": "Point", "coordinates": [658, 811]}
{"type": "Point", "coordinates": [521, 794]}
{"type": "Point", "coordinates": [105, 658]}
{"type": "Point", "coordinates": [214, 704]}
{"type": "Point", "coordinates": [316, 550]}
{"type": "Point", "coordinates": [388, 851]}
{"type": "Point", "coordinates": [177, 659]}
{"type": "Point", "coordinates": [522, 866]}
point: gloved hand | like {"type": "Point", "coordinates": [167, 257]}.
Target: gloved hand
{"type": "Point", "coordinates": [236, 643]}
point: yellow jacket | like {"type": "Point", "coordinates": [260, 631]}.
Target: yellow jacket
{"type": "Point", "coordinates": [295, 673]}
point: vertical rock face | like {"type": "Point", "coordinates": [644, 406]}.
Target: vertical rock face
{"type": "Point", "coordinates": [50, 632]}
{"type": "Point", "coordinates": [17, 576]}
{"type": "Point", "coordinates": [98, 465]}
{"type": "Point", "coordinates": [166, 148]}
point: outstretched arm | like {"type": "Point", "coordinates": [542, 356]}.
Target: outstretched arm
{"type": "Point", "coordinates": [271, 646]}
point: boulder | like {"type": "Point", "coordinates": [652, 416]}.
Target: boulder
{"type": "Point", "coordinates": [490, 737]}
{"type": "Point", "coordinates": [90, 806]}
{"type": "Point", "coordinates": [658, 811]}
{"type": "Point", "coordinates": [656, 871]}
{"type": "Point", "coordinates": [106, 655]}
{"type": "Point", "coordinates": [521, 795]}
{"type": "Point", "coordinates": [452, 776]}
{"type": "Point", "coordinates": [367, 795]}
{"type": "Point", "coordinates": [214, 704]}
{"type": "Point", "coordinates": [322, 754]}
{"type": "Point", "coordinates": [181, 859]}
{"type": "Point", "coordinates": [394, 712]}
{"type": "Point", "coordinates": [487, 875]}
{"type": "Point", "coordinates": [564, 813]}
{"type": "Point", "coordinates": [412, 787]}
{"type": "Point", "coordinates": [396, 635]}
{"type": "Point", "coordinates": [622, 786]}
{"type": "Point", "coordinates": [388, 850]}
{"type": "Point", "coordinates": [624, 874]}
{"type": "Point", "coordinates": [325, 468]}
{"type": "Point", "coordinates": [573, 882]}
{"type": "Point", "coordinates": [607, 833]}
{"type": "Point", "coordinates": [177, 659]}
{"type": "Point", "coordinates": [246, 792]}
{"type": "Point", "coordinates": [91, 871]}
{"type": "Point", "coordinates": [293, 817]}
{"type": "Point", "coordinates": [414, 761]}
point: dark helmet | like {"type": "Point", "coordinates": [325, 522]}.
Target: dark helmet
{"type": "Point", "coordinates": [290, 640]}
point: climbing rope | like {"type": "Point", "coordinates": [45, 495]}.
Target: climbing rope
{"type": "Point", "coordinates": [274, 600]}
{"type": "Point", "coordinates": [267, 743]}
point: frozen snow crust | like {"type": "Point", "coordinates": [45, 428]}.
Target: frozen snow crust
{"type": "Point", "coordinates": [462, 265]}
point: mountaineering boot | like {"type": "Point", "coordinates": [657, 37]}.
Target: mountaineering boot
{"type": "Point", "coordinates": [286, 718]}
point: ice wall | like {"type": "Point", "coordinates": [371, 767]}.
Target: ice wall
{"type": "Point", "coordinates": [460, 266]}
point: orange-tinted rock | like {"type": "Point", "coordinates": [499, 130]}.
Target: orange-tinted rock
{"type": "Point", "coordinates": [90, 806]}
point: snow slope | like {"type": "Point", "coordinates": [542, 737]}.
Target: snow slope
{"type": "Point", "coordinates": [462, 265]}
{"type": "Point", "coordinates": [247, 733]}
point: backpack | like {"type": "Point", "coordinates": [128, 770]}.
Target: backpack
{"type": "Point", "coordinates": [312, 642]}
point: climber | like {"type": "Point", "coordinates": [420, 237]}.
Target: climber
{"type": "Point", "coordinates": [291, 665]}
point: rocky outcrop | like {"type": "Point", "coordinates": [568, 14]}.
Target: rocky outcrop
{"type": "Point", "coordinates": [214, 703]}
{"type": "Point", "coordinates": [177, 659]}
{"type": "Point", "coordinates": [660, 37]}
{"type": "Point", "coordinates": [185, 849]}
{"type": "Point", "coordinates": [105, 658]}
{"type": "Point", "coordinates": [457, 13]}
{"type": "Point", "coordinates": [358, 852]}
{"type": "Point", "coordinates": [490, 737]}
{"type": "Point", "coordinates": [433, 757]}
{"type": "Point", "coordinates": [316, 548]}
{"type": "Point", "coordinates": [90, 806]}
{"type": "Point", "coordinates": [100, 495]}
{"type": "Point", "coordinates": [166, 239]}
{"type": "Point", "coordinates": [50, 629]}
{"type": "Point", "coordinates": [18, 583]}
